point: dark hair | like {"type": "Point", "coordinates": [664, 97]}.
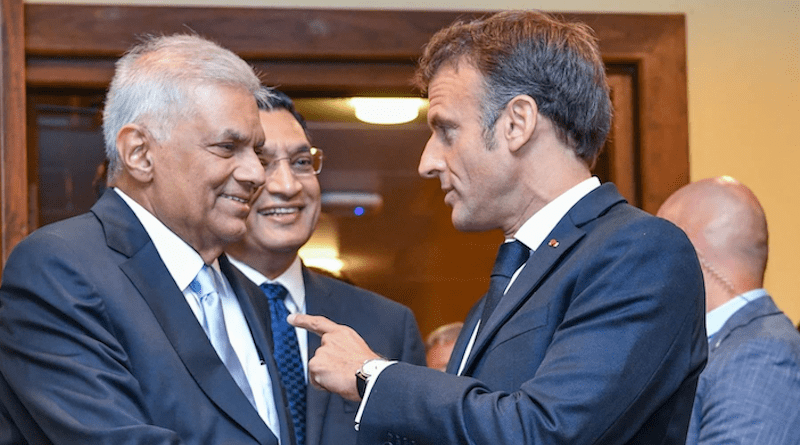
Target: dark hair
{"type": "Point", "coordinates": [270, 99]}
{"type": "Point", "coordinates": [555, 62]}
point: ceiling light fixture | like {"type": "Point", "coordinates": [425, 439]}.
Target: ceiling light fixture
{"type": "Point", "coordinates": [386, 110]}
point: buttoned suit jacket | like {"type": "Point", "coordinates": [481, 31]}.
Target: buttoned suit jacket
{"type": "Point", "coordinates": [99, 346]}
{"type": "Point", "coordinates": [599, 340]}
{"type": "Point", "coordinates": [750, 391]}
{"type": "Point", "coordinates": [388, 327]}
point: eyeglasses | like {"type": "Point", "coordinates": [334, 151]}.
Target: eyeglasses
{"type": "Point", "coordinates": [302, 164]}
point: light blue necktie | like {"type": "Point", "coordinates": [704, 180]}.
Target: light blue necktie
{"type": "Point", "coordinates": [213, 322]}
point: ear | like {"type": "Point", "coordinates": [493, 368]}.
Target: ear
{"type": "Point", "coordinates": [134, 144]}
{"type": "Point", "coordinates": [521, 115]}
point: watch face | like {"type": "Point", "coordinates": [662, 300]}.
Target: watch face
{"type": "Point", "coordinates": [371, 367]}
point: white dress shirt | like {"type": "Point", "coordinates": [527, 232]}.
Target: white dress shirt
{"type": "Point", "coordinates": [183, 264]}
{"type": "Point", "coordinates": [292, 280]}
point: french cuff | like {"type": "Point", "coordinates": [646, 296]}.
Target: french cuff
{"type": "Point", "coordinates": [380, 365]}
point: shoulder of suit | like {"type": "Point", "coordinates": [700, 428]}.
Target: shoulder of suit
{"type": "Point", "coordinates": [352, 294]}
{"type": "Point", "coordinates": [70, 233]}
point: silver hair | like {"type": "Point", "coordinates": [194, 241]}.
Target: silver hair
{"type": "Point", "coordinates": [154, 81]}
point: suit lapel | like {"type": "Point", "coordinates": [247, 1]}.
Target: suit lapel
{"type": "Point", "coordinates": [317, 303]}
{"type": "Point", "coordinates": [547, 256]}
{"type": "Point", "coordinates": [536, 269]}
{"type": "Point", "coordinates": [151, 278]}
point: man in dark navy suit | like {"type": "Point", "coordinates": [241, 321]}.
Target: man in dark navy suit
{"type": "Point", "coordinates": [592, 330]}
{"type": "Point", "coordinates": [282, 220]}
{"type": "Point", "coordinates": [127, 325]}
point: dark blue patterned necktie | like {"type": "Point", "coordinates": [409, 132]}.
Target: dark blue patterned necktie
{"type": "Point", "coordinates": [287, 356]}
{"type": "Point", "coordinates": [510, 256]}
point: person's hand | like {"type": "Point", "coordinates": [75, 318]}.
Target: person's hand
{"type": "Point", "coordinates": [341, 354]}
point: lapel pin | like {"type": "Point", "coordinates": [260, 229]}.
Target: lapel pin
{"type": "Point", "coordinates": [553, 243]}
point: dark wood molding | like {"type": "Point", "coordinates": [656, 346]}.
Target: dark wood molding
{"type": "Point", "coordinates": [253, 33]}
{"type": "Point", "coordinates": [348, 52]}
{"type": "Point", "coordinates": [13, 161]}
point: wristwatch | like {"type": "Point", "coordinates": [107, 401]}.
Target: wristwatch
{"type": "Point", "coordinates": [367, 370]}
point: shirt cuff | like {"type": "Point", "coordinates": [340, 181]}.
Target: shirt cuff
{"type": "Point", "coordinates": [379, 367]}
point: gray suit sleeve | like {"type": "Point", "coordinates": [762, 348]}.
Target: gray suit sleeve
{"type": "Point", "coordinates": [753, 398]}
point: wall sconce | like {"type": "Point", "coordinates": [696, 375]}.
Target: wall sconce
{"type": "Point", "coordinates": [386, 110]}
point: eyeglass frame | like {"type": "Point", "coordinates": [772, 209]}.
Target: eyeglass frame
{"type": "Point", "coordinates": [315, 153]}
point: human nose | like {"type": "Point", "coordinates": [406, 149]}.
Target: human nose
{"type": "Point", "coordinates": [431, 163]}
{"type": "Point", "coordinates": [280, 179]}
{"type": "Point", "coordinates": [250, 170]}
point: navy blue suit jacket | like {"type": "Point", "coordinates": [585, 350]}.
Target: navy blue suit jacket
{"type": "Point", "coordinates": [750, 391]}
{"type": "Point", "coordinates": [390, 330]}
{"type": "Point", "coordinates": [599, 340]}
{"type": "Point", "coordinates": [98, 344]}
{"type": "Point", "coordinates": [388, 327]}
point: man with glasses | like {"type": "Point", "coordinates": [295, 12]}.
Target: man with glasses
{"type": "Point", "coordinates": [281, 221]}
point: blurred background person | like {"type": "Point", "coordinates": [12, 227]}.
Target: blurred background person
{"type": "Point", "coordinates": [439, 345]}
{"type": "Point", "coordinates": [749, 392]}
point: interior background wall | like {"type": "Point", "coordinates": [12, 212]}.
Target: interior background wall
{"type": "Point", "coordinates": [743, 72]}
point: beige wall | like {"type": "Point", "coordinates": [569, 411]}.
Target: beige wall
{"type": "Point", "coordinates": [744, 97]}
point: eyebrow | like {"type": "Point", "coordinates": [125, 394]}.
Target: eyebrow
{"type": "Point", "coordinates": [439, 122]}
{"type": "Point", "coordinates": [234, 135]}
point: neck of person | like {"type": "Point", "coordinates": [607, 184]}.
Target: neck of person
{"type": "Point", "coordinates": [270, 264]}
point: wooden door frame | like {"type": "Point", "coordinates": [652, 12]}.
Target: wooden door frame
{"type": "Point", "coordinates": [324, 51]}
{"type": "Point", "coordinates": [13, 160]}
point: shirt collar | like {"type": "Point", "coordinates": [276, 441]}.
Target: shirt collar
{"type": "Point", "coordinates": [182, 261]}
{"type": "Point", "coordinates": [538, 226]}
{"type": "Point", "coordinates": [291, 279]}
{"type": "Point", "coordinates": [719, 316]}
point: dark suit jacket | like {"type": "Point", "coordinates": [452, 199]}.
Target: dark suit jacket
{"type": "Point", "coordinates": [750, 391]}
{"type": "Point", "coordinates": [599, 340]}
{"type": "Point", "coordinates": [388, 327]}
{"type": "Point", "coordinates": [98, 344]}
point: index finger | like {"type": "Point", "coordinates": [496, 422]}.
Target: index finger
{"type": "Point", "coordinates": [314, 323]}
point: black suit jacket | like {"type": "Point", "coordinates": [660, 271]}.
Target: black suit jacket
{"type": "Point", "coordinates": [98, 344]}
{"type": "Point", "coordinates": [390, 330]}
{"type": "Point", "coordinates": [388, 327]}
{"type": "Point", "coordinates": [599, 340]}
